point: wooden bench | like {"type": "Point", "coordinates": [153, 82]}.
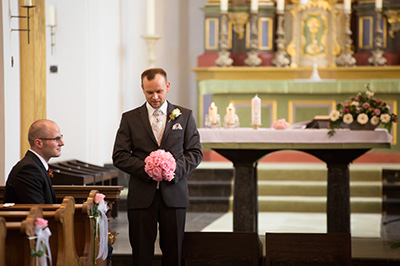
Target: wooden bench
{"type": "Point", "coordinates": [3, 234]}
{"type": "Point", "coordinates": [308, 249]}
{"type": "Point", "coordinates": [83, 227]}
{"type": "Point", "coordinates": [222, 248]}
{"type": "Point", "coordinates": [18, 247]}
{"type": "Point", "coordinates": [61, 224]}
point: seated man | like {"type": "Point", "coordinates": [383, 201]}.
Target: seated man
{"type": "Point", "coordinates": [29, 180]}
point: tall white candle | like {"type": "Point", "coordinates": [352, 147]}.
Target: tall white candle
{"type": "Point", "coordinates": [230, 113]}
{"type": "Point", "coordinates": [151, 17]}
{"type": "Point", "coordinates": [28, 3]}
{"type": "Point", "coordinates": [280, 5]}
{"type": "Point", "coordinates": [378, 4]}
{"type": "Point", "coordinates": [52, 16]}
{"type": "Point", "coordinates": [224, 5]}
{"type": "Point", "coordinates": [254, 5]}
{"type": "Point", "coordinates": [212, 113]}
{"type": "Point", "coordinates": [256, 111]}
{"type": "Point", "coordinates": [347, 5]}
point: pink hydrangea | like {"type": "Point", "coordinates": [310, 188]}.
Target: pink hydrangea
{"type": "Point", "coordinates": [160, 165]}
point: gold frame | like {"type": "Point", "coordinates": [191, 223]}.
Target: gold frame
{"type": "Point", "coordinates": [207, 37]}
{"type": "Point", "coordinates": [291, 104]}
{"type": "Point", "coordinates": [361, 30]}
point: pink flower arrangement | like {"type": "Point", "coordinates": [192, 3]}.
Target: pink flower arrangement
{"type": "Point", "coordinates": [160, 165]}
{"type": "Point", "coordinates": [99, 198]}
{"type": "Point", "coordinates": [41, 223]}
{"type": "Point", "coordinates": [280, 124]}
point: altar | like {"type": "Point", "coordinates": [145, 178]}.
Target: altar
{"type": "Point", "coordinates": [244, 147]}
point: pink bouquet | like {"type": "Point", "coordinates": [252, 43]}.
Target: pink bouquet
{"type": "Point", "coordinates": [281, 124]}
{"type": "Point", "coordinates": [160, 165]}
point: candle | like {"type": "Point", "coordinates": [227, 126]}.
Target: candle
{"type": "Point", "coordinates": [347, 5]}
{"type": "Point", "coordinates": [151, 17]}
{"type": "Point", "coordinates": [280, 5]}
{"type": "Point", "coordinates": [52, 16]}
{"type": "Point", "coordinates": [212, 113]}
{"type": "Point", "coordinates": [230, 113]}
{"type": "Point", "coordinates": [256, 111]}
{"type": "Point", "coordinates": [28, 3]}
{"type": "Point", "coordinates": [224, 5]}
{"type": "Point", "coordinates": [378, 4]}
{"type": "Point", "coordinates": [254, 5]}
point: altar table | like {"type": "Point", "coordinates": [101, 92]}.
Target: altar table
{"type": "Point", "coordinates": [244, 147]}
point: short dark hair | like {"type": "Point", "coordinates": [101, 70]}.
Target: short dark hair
{"type": "Point", "coordinates": [151, 73]}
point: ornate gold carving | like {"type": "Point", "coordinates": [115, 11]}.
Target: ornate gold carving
{"type": "Point", "coordinates": [239, 20]}
{"type": "Point", "coordinates": [320, 4]}
{"type": "Point", "coordinates": [393, 18]}
{"type": "Point", "coordinates": [314, 29]}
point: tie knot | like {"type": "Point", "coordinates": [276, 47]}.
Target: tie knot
{"type": "Point", "coordinates": [157, 113]}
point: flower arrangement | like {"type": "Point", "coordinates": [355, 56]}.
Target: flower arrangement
{"type": "Point", "coordinates": [100, 224]}
{"type": "Point", "coordinates": [280, 124]}
{"type": "Point", "coordinates": [160, 165]}
{"type": "Point", "coordinates": [175, 113]}
{"type": "Point", "coordinates": [364, 108]}
{"type": "Point", "coordinates": [42, 241]}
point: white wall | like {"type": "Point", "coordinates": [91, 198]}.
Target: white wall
{"type": "Point", "coordinates": [100, 55]}
{"type": "Point", "coordinates": [9, 89]}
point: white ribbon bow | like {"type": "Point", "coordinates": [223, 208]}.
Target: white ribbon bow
{"type": "Point", "coordinates": [102, 223]}
{"type": "Point", "coordinates": [43, 236]}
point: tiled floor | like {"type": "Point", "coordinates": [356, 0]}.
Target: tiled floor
{"type": "Point", "coordinates": [369, 245]}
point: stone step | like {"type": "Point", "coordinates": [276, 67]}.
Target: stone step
{"type": "Point", "coordinates": [210, 188]}
{"type": "Point", "coordinates": [312, 204]}
{"type": "Point", "coordinates": [315, 188]}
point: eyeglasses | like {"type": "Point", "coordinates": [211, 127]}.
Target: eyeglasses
{"type": "Point", "coordinates": [58, 139]}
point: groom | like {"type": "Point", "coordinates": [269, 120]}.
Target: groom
{"type": "Point", "coordinates": [151, 202]}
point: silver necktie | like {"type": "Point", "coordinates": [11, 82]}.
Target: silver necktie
{"type": "Point", "coordinates": [157, 125]}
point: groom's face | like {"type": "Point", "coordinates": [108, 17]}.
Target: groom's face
{"type": "Point", "coordinates": [155, 90]}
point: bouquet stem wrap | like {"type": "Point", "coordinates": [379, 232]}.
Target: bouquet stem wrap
{"type": "Point", "coordinates": [102, 225]}
{"type": "Point", "coordinates": [42, 240]}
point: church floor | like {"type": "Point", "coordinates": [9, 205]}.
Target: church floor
{"type": "Point", "coordinates": [363, 248]}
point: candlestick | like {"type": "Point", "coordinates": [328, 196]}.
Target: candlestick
{"type": "Point", "coordinates": [28, 3]}
{"type": "Point", "coordinates": [347, 5]}
{"type": "Point", "coordinates": [378, 4]}
{"type": "Point", "coordinates": [212, 112]}
{"type": "Point", "coordinates": [151, 17]}
{"type": "Point", "coordinates": [256, 111]}
{"type": "Point", "coordinates": [254, 6]}
{"type": "Point", "coordinates": [52, 16]}
{"type": "Point", "coordinates": [280, 5]}
{"type": "Point", "coordinates": [230, 113]}
{"type": "Point", "coordinates": [224, 5]}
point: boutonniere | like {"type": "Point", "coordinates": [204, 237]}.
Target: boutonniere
{"type": "Point", "coordinates": [50, 173]}
{"type": "Point", "coordinates": [175, 113]}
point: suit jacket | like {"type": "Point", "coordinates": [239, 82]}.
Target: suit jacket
{"type": "Point", "coordinates": [135, 141]}
{"type": "Point", "coordinates": [29, 182]}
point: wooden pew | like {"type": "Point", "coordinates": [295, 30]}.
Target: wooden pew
{"type": "Point", "coordinates": [308, 249]}
{"type": "Point", "coordinates": [61, 224]}
{"type": "Point", "coordinates": [18, 246]}
{"type": "Point", "coordinates": [80, 194]}
{"type": "Point", "coordinates": [83, 227]}
{"type": "Point", "coordinates": [222, 248]}
{"type": "Point", "coordinates": [3, 234]}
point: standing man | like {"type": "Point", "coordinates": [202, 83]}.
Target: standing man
{"type": "Point", "coordinates": [151, 202]}
{"type": "Point", "coordinates": [29, 180]}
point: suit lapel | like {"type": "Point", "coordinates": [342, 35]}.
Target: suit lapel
{"type": "Point", "coordinates": [168, 124]}
{"type": "Point", "coordinates": [144, 119]}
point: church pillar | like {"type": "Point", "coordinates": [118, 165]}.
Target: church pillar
{"type": "Point", "coordinates": [32, 67]}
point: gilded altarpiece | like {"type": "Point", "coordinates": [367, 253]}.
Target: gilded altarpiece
{"type": "Point", "coordinates": [313, 31]}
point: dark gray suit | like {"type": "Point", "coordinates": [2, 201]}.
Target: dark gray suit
{"type": "Point", "coordinates": [29, 182]}
{"type": "Point", "coordinates": [134, 142]}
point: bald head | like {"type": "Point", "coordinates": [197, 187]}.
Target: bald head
{"type": "Point", "coordinates": [40, 129]}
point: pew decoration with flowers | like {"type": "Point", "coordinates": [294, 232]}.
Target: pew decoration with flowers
{"type": "Point", "coordinates": [42, 249]}
{"type": "Point", "coordinates": [364, 111]}
{"type": "Point", "coordinates": [98, 214]}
